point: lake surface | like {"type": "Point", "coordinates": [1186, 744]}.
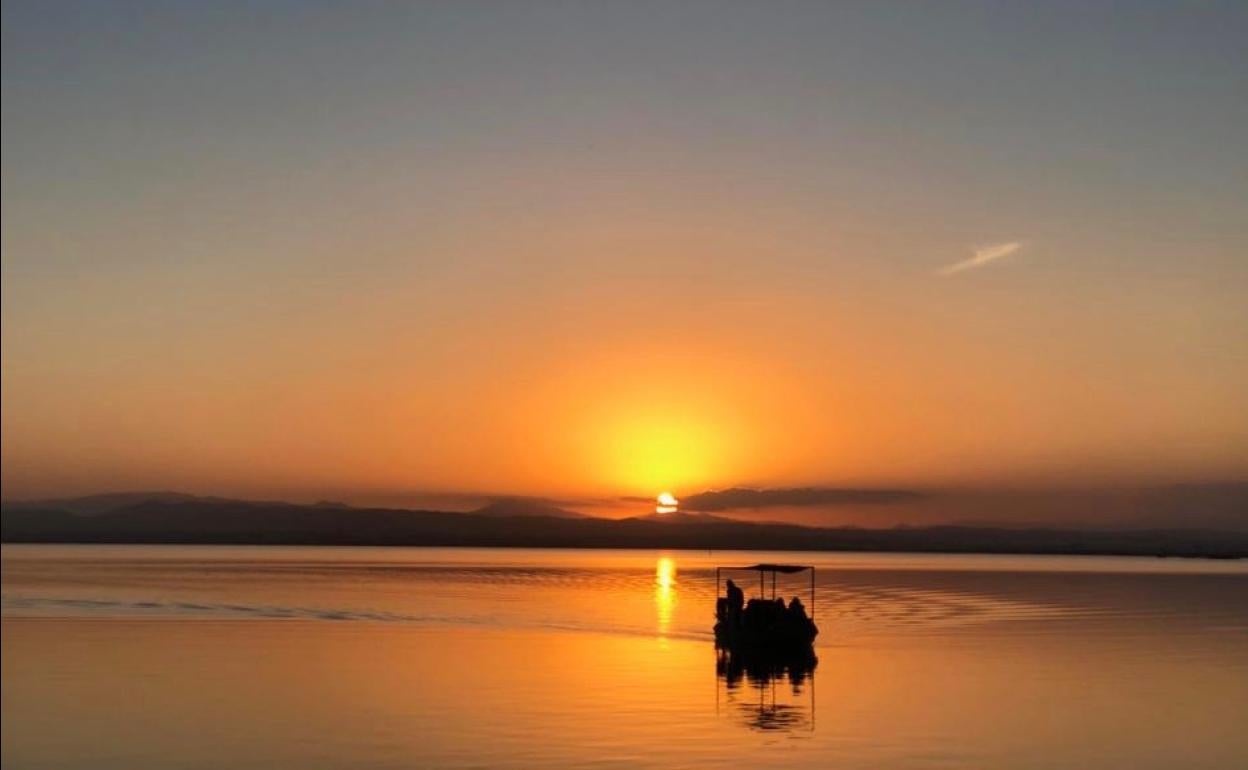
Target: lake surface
{"type": "Point", "coordinates": [257, 657]}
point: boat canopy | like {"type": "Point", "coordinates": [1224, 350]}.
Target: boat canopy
{"type": "Point", "coordinates": [787, 569]}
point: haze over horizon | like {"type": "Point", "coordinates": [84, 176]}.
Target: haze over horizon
{"type": "Point", "coordinates": [594, 252]}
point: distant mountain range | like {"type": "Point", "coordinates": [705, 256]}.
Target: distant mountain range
{"type": "Point", "coordinates": [522, 506]}
{"type": "Point", "coordinates": [169, 517]}
{"type": "Point", "coordinates": [92, 505]}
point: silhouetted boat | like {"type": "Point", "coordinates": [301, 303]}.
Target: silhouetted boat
{"type": "Point", "coordinates": [764, 626]}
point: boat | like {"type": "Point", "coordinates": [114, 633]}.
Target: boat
{"type": "Point", "coordinates": [764, 625]}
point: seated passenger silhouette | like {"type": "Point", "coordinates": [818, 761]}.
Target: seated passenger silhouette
{"type": "Point", "coordinates": [797, 610]}
{"type": "Point", "coordinates": [736, 599]}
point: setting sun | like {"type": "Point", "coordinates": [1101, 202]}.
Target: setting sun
{"type": "Point", "coordinates": [667, 503]}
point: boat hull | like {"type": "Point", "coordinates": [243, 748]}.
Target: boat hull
{"type": "Point", "coordinates": [782, 639]}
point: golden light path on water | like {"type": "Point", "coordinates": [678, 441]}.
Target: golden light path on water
{"type": "Point", "coordinates": [665, 592]}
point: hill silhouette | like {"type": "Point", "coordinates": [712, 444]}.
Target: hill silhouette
{"type": "Point", "coordinates": [525, 506]}
{"type": "Point", "coordinates": [91, 505]}
{"type": "Point", "coordinates": [241, 522]}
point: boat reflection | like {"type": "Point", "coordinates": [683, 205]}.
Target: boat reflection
{"type": "Point", "coordinates": [754, 693]}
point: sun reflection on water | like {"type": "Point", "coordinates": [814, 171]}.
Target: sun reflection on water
{"type": "Point", "coordinates": [665, 592]}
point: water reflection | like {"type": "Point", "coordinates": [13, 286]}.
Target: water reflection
{"type": "Point", "coordinates": [665, 592]}
{"type": "Point", "coordinates": [766, 692]}
{"type": "Point", "coordinates": [957, 661]}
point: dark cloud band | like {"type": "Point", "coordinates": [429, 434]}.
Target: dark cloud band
{"type": "Point", "coordinates": [742, 497]}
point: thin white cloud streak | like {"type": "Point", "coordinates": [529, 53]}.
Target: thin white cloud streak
{"type": "Point", "coordinates": [983, 255]}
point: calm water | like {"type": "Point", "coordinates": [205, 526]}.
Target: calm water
{"type": "Point", "coordinates": [144, 657]}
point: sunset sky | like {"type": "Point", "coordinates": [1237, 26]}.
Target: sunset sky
{"type": "Point", "coordinates": [311, 250]}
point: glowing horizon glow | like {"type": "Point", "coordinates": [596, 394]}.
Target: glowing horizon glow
{"type": "Point", "coordinates": [456, 283]}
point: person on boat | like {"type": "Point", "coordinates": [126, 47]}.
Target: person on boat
{"type": "Point", "coordinates": [736, 599]}
{"type": "Point", "coordinates": [797, 610]}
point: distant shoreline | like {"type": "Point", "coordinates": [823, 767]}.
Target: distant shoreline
{"type": "Point", "coordinates": [244, 523]}
{"type": "Point", "coordinates": [1232, 557]}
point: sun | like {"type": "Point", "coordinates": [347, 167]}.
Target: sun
{"type": "Point", "coordinates": [667, 503]}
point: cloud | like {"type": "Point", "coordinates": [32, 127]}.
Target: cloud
{"type": "Point", "coordinates": [983, 255]}
{"type": "Point", "coordinates": [742, 497]}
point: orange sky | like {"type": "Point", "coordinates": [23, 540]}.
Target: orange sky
{"type": "Point", "coordinates": [571, 268]}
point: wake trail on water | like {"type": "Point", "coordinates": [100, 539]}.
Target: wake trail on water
{"type": "Point", "coordinates": [71, 608]}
